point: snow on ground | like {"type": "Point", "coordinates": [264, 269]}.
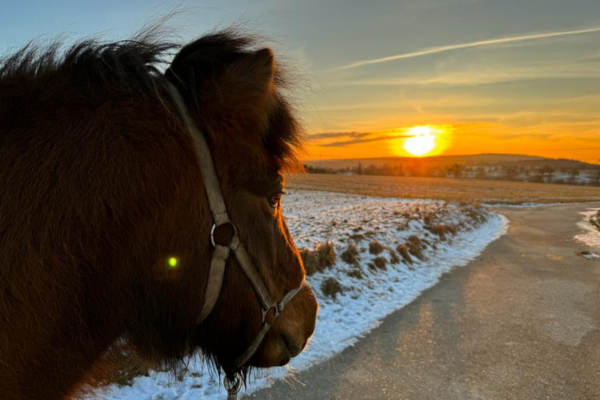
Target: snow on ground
{"type": "Point", "coordinates": [532, 205]}
{"type": "Point", "coordinates": [591, 235]}
{"type": "Point", "coordinates": [315, 217]}
{"type": "Point", "coordinates": [590, 256]}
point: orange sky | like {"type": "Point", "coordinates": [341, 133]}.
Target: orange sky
{"type": "Point", "coordinates": [510, 76]}
{"type": "Point", "coordinates": [500, 81]}
{"type": "Point", "coordinates": [460, 139]}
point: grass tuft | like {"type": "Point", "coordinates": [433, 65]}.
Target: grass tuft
{"type": "Point", "coordinates": [404, 253]}
{"type": "Point", "coordinates": [350, 255]}
{"type": "Point", "coordinates": [331, 287]}
{"type": "Point", "coordinates": [375, 247]}
{"type": "Point", "coordinates": [442, 230]}
{"type": "Point", "coordinates": [318, 260]}
{"type": "Point", "coordinates": [380, 263]}
{"type": "Point", "coordinates": [475, 212]}
{"type": "Point", "coordinates": [394, 259]}
{"type": "Point", "coordinates": [416, 246]}
{"type": "Point", "coordinates": [355, 273]}
{"type": "Point", "coordinates": [595, 220]}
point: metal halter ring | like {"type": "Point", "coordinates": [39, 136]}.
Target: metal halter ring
{"type": "Point", "coordinates": [214, 227]}
{"type": "Point", "coordinates": [234, 385]}
{"type": "Point", "coordinates": [278, 309]}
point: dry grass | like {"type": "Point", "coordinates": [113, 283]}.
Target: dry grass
{"type": "Point", "coordinates": [415, 251]}
{"type": "Point", "coordinates": [375, 247]}
{"type": "Point", "coordinates": [318, 260]}
{"type": "Point", "coordinates": [350, 255]}
{"type": "Point", "coordinates": [484, 191]}
{"type": "Point", "coordinates": [595, 220]}
{"type": "Point", "coordinates": [394, 259]}
{"type": "Point", "coordinates": [331, 287]}
{"type": "Point", "coordinates": [474, 212]}
{"type": "Point", "coordinates": [403, 250]}
{"type": "Point", "coordinates": [416, 246]}
{"type": "Point", "coordinates": [380, 263]}
{"type": "Point", "coordinates": [429, 218]}
{"type": "Point", "coordinates": [355, 273]}
{"type": "Point", "coordinates": [442, 230]}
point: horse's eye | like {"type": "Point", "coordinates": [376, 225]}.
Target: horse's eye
{"type": "Point", "coordinates": [275, 201]}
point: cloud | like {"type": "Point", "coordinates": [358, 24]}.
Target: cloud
{"type": "Point", "coordinates": [363, 140]}
{"type": "Point", "coordinates": [481, 43]}
{"type": "Point", "coordinates": [480, 75]}
{"type": "Point", "coordinates": [333, 135]}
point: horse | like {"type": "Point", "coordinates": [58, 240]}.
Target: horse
{"type": "Point", "coordinates": [105, 217]}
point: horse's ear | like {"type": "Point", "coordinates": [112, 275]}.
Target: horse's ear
{"type": "Point", "coordinates": [253, 74]}
{"type": "Point", "coordinates": [245, 87]}
{"type": "Point", "coordinates": [234, 94]}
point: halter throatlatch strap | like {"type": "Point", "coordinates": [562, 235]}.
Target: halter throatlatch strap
{"type": "Point", "coordinates": [222, 251]}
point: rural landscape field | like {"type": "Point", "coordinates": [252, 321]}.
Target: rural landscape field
{"type": "Point", "coordinates": [482, 191]}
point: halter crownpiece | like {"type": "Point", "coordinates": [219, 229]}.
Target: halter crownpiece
{"type": "Point", "coordinates": [222, 251]}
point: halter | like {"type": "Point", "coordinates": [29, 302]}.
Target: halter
{"type": "Point", "coordinates": [222, 251]}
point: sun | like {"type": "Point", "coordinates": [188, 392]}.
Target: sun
{"type": "Point", "coordinates": [421, 142]}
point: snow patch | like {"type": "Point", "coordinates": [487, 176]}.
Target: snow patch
{"type": "Point", "coordinates": [591, 235]}
{"type": "Point", "coordinates": [533, 204]}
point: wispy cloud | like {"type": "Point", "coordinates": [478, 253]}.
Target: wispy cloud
{"type": "Point", "coordinates": [486, 74]}
{"type": "Point", "coordinates": [335, 135]}
{"type": "Point", "coordinates": [481, 43]}
{"type": "Point", "coordinates": [364, 140]}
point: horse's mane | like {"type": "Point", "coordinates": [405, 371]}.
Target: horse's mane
{"type": "Point", "coordinates": [133, 65]}
{"type": "Point", "coordinates": [123, 64]}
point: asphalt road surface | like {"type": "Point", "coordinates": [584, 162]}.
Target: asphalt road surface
{"type": "Point", "coordinates": [520, 322]}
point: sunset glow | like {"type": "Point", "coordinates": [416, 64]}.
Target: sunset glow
{"type": "Point", "coordinates": [522, 79]}
{"type": "Point", "coordinates": [422, 142]}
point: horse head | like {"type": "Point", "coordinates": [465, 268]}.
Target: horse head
{"type": "Point", "coordinates": [233, 95]}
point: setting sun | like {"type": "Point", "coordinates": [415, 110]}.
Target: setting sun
{"type": "Point", "coordinates": [422, 141]}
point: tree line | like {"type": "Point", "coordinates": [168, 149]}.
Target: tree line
{"type": "Point", "coordinates": [544, 174]}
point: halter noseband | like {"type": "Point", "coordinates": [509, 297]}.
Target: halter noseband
{"type": "Point", "coordinates": [222, 251]}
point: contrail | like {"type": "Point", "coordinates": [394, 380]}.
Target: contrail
{"type": "Point", "coordinates": [442, 49]}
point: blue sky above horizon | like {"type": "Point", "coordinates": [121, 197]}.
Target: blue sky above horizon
{"type": "Point", "coordinates": [501, 76]}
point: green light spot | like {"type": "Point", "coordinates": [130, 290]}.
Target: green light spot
{"type": "Point", "coordinates": [173, 262]}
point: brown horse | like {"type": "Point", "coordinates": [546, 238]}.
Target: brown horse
{"type": "Point", "coordinates": [104, 220]}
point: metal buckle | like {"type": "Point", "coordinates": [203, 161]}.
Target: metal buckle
{"type": "Point", "coordinates": [280, 307]}
{"type": "Point", "coordinates": [214, 227]}
{"type": "Point", "coordinates": [233, 386]}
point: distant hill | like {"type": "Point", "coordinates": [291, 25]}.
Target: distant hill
{"type": "Point", "coordinates": [444, 161]}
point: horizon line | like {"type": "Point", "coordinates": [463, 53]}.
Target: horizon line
{"type": "Point", "coordinates": [456, 155]}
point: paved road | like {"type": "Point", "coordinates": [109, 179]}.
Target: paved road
{"type": "Point", "coordinates": [520, 322]}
